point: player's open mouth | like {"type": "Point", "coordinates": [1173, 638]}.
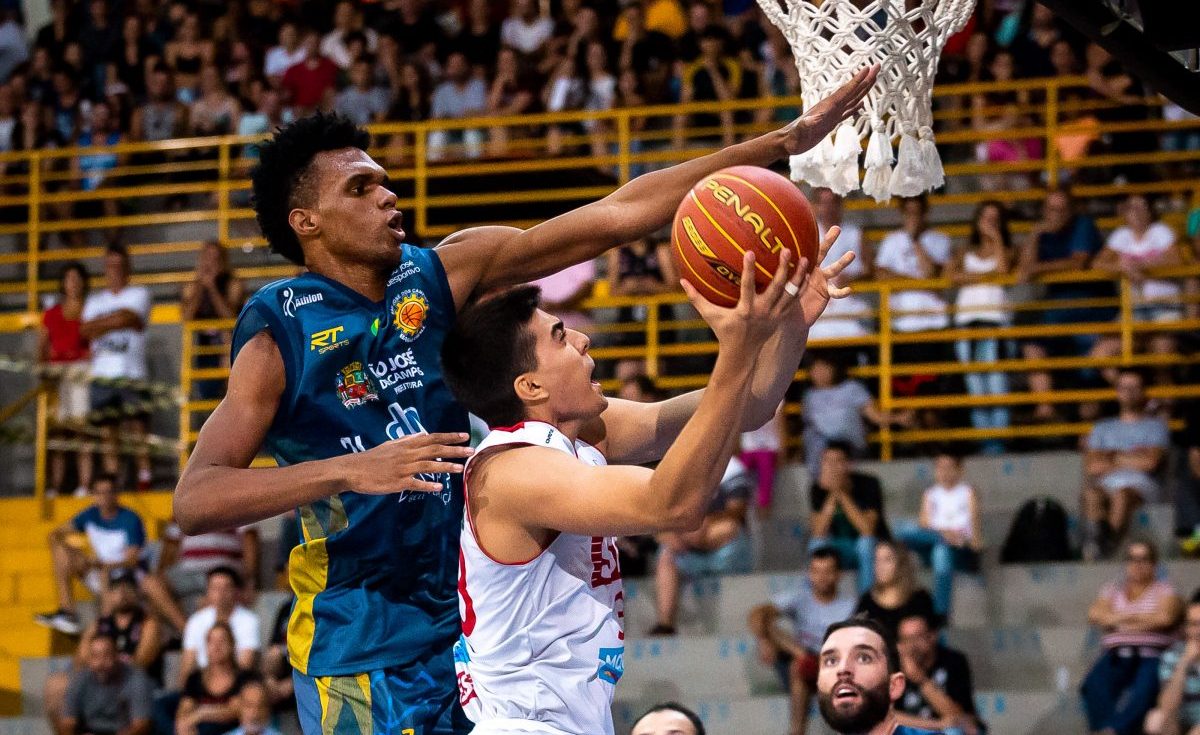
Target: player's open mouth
{"type": "Point", "coordinates": [845, 693]}
{"type": "Point", "coordinates": [394, 223]}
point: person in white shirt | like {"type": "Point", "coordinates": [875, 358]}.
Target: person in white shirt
{"type": "Point", "coordinates": [948, 533]}
{"type": "Point", "coordinates": [287, 54]}
{"type": "Point", "coordinates": [1137, 246]}
{"type": "Point", "coordinates": [224, 589]}
{"type": "Point", "coordinates": [851, 316]}
{"type": "Point", "coordinates": [114, 320]}
{"type": "Point", "coordinates": [915, 251]}
{"type": "Point", "coordinates": [347, 19]}
{"type": "Point", "coordinates": [524, 30]}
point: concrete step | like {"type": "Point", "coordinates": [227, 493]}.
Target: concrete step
{"type": "Point", "coordinates": [1005, 596]}
{"type": "Point", "coordinates": [24, 725]}
{"type": "Point", "coordinates": [1006, 713]}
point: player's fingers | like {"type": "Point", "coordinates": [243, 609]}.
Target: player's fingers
{"type": "Point", "coordinates": [433, 468]}
{"type": "Point", "coordinates": [747, 297]}
{"type": "Point", "coordinates": [835, 269]}
{"type": "Point", "coordinates": [837, 292]}
{"type": "Point", "coordinates": [444, 451]}
{"type": "Point", "coordinates": [774, 290]}
{"type": "Point", "coordinates": [420, 440]}
{"type": "Point", "coordinates": [831, 236]}
{"type": "Point", "coordinates": [422, 486]}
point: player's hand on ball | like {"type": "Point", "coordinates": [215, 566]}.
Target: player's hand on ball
{"type": "Point", "coordinates": [821, 287]}
{"type": "Point", "coordinates": [756, 316]}
{"type": "Point", "coordinates": [408, 463]}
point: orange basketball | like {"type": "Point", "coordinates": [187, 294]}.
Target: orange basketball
{"type": "Point", "coordinates": [734, 210]}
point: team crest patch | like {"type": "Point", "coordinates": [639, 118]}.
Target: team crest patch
{"type": "Point", "coordinates": [354, 386]}
{"type": "Point", "coordinates": [409, 311]}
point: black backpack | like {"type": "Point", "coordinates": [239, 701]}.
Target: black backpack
{"type": "Point", "coordinates": [1039, 533]}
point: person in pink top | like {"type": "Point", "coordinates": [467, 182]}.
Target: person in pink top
{"type": "Point", "coordinates": [1139, 615]}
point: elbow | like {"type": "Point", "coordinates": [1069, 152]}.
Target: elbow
{"type": "Point", "coordinates": [683, 519]}
{"type": "Point", "coordinates": [187, 515]}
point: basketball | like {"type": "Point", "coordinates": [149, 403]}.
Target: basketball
{"type": "Point", "coordinates": [734, 210]}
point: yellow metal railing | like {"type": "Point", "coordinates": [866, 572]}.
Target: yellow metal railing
{"type": "Point", "coordinates": [614, 144]}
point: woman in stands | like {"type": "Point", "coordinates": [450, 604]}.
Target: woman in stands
{"type": "Point", "coordinates": [895, 594]}
{"type": "Point", "coordinates": [215, 293]}
{"type": "Point", "coordinates": [209, 703]}
{"type": "Point", "coordinates": [63, 348]}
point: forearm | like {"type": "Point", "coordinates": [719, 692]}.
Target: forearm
{"type": "Point", "coordinates": [774, 373]}
{"type": "Point", "coordinates": [102, 325]}
{"type": "Point", "coordinates": [1171, 697]}
{"type": "Point", "coordinates": [138, 727]}
{"type": "Point", "coordinates": [210, 498]}
{"type": "Point", "coordinates": [860, 519]}
{"type": "Point", "coordinates": [697, 460]}
{"type": "Point", "coordinates": [946, 708]}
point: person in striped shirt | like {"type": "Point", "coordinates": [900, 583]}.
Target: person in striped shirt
{"type": "Point", "coordinates": [1139, 615]}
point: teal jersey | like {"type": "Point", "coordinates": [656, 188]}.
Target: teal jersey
{"type": "Point", "coordinates": [376, 575]}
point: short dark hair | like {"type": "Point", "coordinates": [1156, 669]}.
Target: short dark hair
{"type": "Point", "coordinates": [485, 351]}
{"type": "Point", "coordinates": [645, 385]}
{"type": "Point", "coordinates": [825, 553]}
{"type": "Point", "coordinates": [116, 248]}
{"type": "Point", "coordinates": [675, 707]}
{"type": "Point", "coordinates": [79, 268]}
{"type": "Point", "coordinates": [837, 445]}
{"type": "Point", "coordinates": [930, 622]}
{"type": "Point", "coordinates": [104, 635]}
{"type": "Point", "coordinates": [863, 621]}
{"type": "Point", "coordinates": [281, 180]}
{"type": "Point", "coordinates": [920, 199]}
{"type": "Point", "coordinates": [950, 451]}
{"type": "Point", "coordinates": [108, 477]}
{"type": "Point", "coordinates": [227, 571]}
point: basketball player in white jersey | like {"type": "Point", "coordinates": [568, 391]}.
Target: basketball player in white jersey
{"type": "Point", "coordinates": [539, 580]}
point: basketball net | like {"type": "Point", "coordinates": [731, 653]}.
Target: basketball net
{"type": "Point", "coordinates": [832, 39]}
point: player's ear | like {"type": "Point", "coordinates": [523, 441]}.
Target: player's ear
{"type": "Point", "coordinates": [304, 222]}
{"type": "Point", "coordinates": [529, 389]}
{"type": "Point", "coordinates": [896, 684]}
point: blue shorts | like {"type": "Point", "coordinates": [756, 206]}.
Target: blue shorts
{"type": "Point", "coordinates": [420, 698]}
{"type": "Point", "coordinates": [732, 558]}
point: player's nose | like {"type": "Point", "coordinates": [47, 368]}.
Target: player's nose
{"type": "Point", "coordinates": [581, 341]}
{"type": "Point", "coordinates": [388, 199]}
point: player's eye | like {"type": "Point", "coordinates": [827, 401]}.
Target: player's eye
{"type": "Point", "coordinates": [830, 661]}
{"type": "Point", "coordinates": [865, 658]}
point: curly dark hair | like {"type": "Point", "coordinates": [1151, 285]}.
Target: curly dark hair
{"type": "Point", "coordinates": [281, 181]}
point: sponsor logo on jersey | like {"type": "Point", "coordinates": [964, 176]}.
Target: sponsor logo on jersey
{"type": "Point", "coordinates": [399, 372]}
{"type": "Point", "coordinates": [375, 327]}
{"type": "Point", "coordinates": [326, 340]}
{"type": "Point", "coordinates": [612, 664]}
{"type": "Point", "coordinates": [354, 386]}
{"type": "Point", "coordinates": [406, 269]}
{"type": "Point", "coordinates": [292, 302]}
{"type": "Point", "coordinates": [409, 311]}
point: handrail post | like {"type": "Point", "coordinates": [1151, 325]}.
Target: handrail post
{"type": "Point", "coordinates": [421, 179]}
{"type": "Point", "coordinates": [185, 390]}
{"type": "Point", "coordinates": [652, 305]}
{"type": "Point", "coordinates": [33, 231]}
{"type": "Point", "coordinates": [1126, 320]}
{"type": "Point", "coordinates": [885, 370]}
{"type": "Point", "coordinates": [41, 432]}
{"type": "Point", "coordinates": [1052, 133]}
{"type": "Point", "coordinates": [624, 146]}
{"type": "Point", "coordinates": [223, 192]}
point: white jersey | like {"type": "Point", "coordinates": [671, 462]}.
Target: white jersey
{"type": "Point", "coordinates": [542, 646]}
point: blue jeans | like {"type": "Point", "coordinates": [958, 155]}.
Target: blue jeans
{"type": "Point", "coordinates": [943, 559]}
{"type": "Point", "coordinates": [984, 384]}
{"type": "Point", "coordinates": [1119, 691]}
{"type": "Point", "coordinates": [855, 553]}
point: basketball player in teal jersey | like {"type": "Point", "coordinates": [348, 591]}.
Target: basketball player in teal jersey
{"type": "Point", "coordinates": [336, 373]}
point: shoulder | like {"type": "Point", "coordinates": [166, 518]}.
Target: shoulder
{"type": "Point", "coordinates": [1161, 234]}
{"type": "Point", "coordinates": [129, 516]}
{"type": "Point", "coordinates": [1120, 238]}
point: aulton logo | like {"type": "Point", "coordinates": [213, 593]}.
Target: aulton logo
{"type": "Point", "coordinates": [291, 301]}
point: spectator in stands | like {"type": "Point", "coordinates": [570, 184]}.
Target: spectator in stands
{"type": "Point", "coordinates": [109, 696]}
{"type": "Point", "coordinates": [810, 607]}
{"type": "Point", "coordinates": [254, 710]}
{"type": "Point", "coordinates": [185, 561]}
{"type": "Point", "coordinates": [949, 532]}
{"type": "Point", "coordinates": [276, 671]}
{"type": "Point", "coordinates": [1138, 615]}
{"type": "Point", "coordinates": [55, 35]}
{"type": "Point", "coordinates": [1061, 241]}
{"type": "Point", "coordinates": [214, 293]}
{"type": "Point", "coordinates": [895, 594]}
{"type": "Point", "coordinates": [1178, 708]}
{"type": "Point", "coordinates": [310, 84]}
{"type": "Point", "coordinates": [998, 112]}
{"type": "Point", "coordinates": [209, 702]}
{"type": "Point", "coordinates": [1122, 456]}
{"type": "Point", "coordinates": [713, 77]}
{"type": "Point", "coordinates": [668, 719]}
{"type": "Point", "coordinates": [524, 30]}
{"type": "Point", "coordinates": [759, 451]}
{"type": "Point", "coordinates": [161, 116]}
{"type": "Point", "coordinates": [187, 54]}
{"type": "Point", "coordinates": [1142, 243]}
{"type": "Point", "coordinates": [458, 96]}
{"type": "Point", "coordinates": [833, 409]}
{"type": "Point", "coordinates": [699, 20]}
{"type": "Point", "coordinates": [215, 111]}
{"type": "Point", "coordinates": [114, 322]}
{"type": "Point", "coordinates": [982, 305]}
{"type": "Point", "coordinates": [91, 171]}
{"type": "Point", "coordinates": [14, 50]}
{"type": "Point", "coordinates": [222, 596]}
{"type": "Point", "coordinates": [510, 94]}
{"type": "Point", "coordinates": [850, 316]}
{"type": "Point", "coordinates": [98, 38]}
{"type": "Point", "coordinates": [347, 20]}
{"type": "Point", "coordinates": [721, 545]}
{"type": "Point", "coordinates": [62, 348]}
{"type": "Point", "coordinates": [102, 538]}
{"type": "Point", "coordinates": [601, 95]}
{"type": "Point", "coordinates": [938, 694]}
{"type": "Point", "coordinates": [646, 51]}
{"type": "Point", "coordinates": [847, 513]}
{"type": "Point", "coordinates": [138, 637]}
{"type": "Point", "coordinates": [1187, 507]}
{"type": "Point", "coordinates": [565, 91]}
{"type": "Point", "coordinates": [479, 38]}
{"type": "Point", "coordinates": [362, 101]}
{"type": "Point", "coordinates": [914, 251]}
{"type": "Point", "coordinates": [135, 56]}
{"type": "Point", "coordinates": [287, 53]}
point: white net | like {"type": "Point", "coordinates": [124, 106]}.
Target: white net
{"type": "Point", "coordinates": [832, 39]}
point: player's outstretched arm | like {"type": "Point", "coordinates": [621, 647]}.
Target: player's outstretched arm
{"type": "Point", "coordinates": [636, 433]}
{"type": "Point", "coordinates": [565, 495]}
{"type": "Point", "coordinates": [218, 490]}
{"type": "Point", "coordinates": [485, 258]}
